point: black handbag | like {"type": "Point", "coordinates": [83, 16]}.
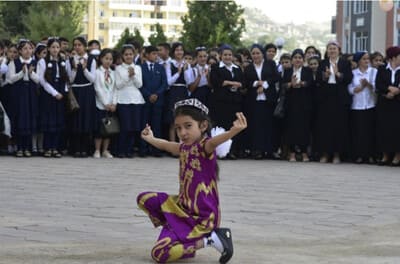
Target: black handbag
{"type": "Point", "coordinates": [109, 126]}
{"type": "Point", "coordinates": [279, 111]}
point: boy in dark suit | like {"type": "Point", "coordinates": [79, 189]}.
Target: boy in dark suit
{"type": "Point", "coordinates": [154, 86]}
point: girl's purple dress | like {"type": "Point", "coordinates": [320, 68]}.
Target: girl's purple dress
{"type": "Point", "coordinates": [190, 215]}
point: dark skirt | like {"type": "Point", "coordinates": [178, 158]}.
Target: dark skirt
{"type": "Point", "coordinates": [362, 123]}
{"type": "Point", "coordinates": [297, 123]}
{"type": "Point", "coordinates": [332, 123]}
{"type": "Point", "coordinates": [25, 112]}
{"type": "Point", "coordinates": [260, 130]}
{"type": "Point", "coordinates": [225, 113]}
{"type": "Point", "coordinates": [388, 125]}
{"type": "Point", "coordinates": [130, 117]}
{"type": "Point", "coordinates": [5, 98]}
{"type": "Point", "coordinates": [201, 93]}
{"type": "Point", "coordinates": [51, 113]}
{"type": "Point", "coordinates": [176, 93]}
{"type": "Point", "coordinates": [84, 120]}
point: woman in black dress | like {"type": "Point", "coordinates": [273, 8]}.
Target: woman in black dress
{"type": "Point", "coordinates": [388, 108]}
{"type": "Point", "coordinates": [333, 105]}
{"type": "Point", "coordinates": [297, 83]}
{"type": "Point", "coordinates": [260, 78]}
{"type": "Point", "coordinates": [227, 81]}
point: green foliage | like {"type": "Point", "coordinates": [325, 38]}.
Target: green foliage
{"type": "Point", "coordinates": [12, 14]}
{"type": "Point", "coordinates": [211, 23]}
{"type": "Point", "coordinates": [158, 36]}
{"type": "Point", "coordinates": [124, 37]}
{"type": "Point", "coordinates": [138, 37]}
{"type": "Point", "coordinates": [55, 18]}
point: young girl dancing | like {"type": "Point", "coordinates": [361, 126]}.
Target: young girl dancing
{"type": "Point", "coordinates": [190, 219]}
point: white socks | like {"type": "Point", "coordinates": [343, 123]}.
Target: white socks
{"type": "Point", "coordinates": [214, 242]}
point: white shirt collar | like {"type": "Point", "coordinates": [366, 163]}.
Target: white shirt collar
{"type": "Point", "coordinates": [176, 63]}
{"type": "Point", "coordinates": [222, 65]}
{"type": "Point", "coordinates": [25, 61]}
{"type": "Point", "coordinates": [388, 66]}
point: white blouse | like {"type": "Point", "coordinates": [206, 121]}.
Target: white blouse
{"type": "Point", "coordinates": [128, 87]}
{"type": "Point", "coordinates": [365, 99]}
{"type": "Point", "coordinates": [106, 92]}
{"type": "Point", "coordinates": [13, 76]}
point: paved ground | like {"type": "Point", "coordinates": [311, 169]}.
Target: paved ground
{"type": "Point", "coordinates": [83, 211]}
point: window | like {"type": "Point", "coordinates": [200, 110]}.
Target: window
{"type": "Point", "coordinates": [360, 7]}
{"type": "Point", "coordinates": [398, 37]}
{"type": "Point", "coordinates": [101, 25]}
{"type": "Point", "coordinates": [101, 13]}
{"type": "Point", "coordinates": [114, 14]}
{"type": "Point", "coordinates": [361, 41]}
{"type": "Point", "coordinates": [158, 2]}
{"type": "Point", "coordinates": [156, 15]}
{"type": "Point", "coordinates": [152, 28]}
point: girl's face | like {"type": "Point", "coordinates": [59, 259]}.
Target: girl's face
{"type": "Point", "coordinates": [54, 49]}
{"type": "Point", "coordinates": [271, 53]}
{"type": "Point", "coordinates": [188, 59]}
{"type": "Point", "coordinates": [212, 62]}
{"type": "Point", "coordinates": [364, 61]}
{"type": "Point", "coordinates": [107, 60]}
{"type": "Point", "coordinates": [333, 51]}
{"type": "Point", "coordinates": [42, 54]}
{"type": "Point", "coordinates": [256, 55]}
{"type": "Point", "coordinates": [227, 57]}
{"type": "Point", "coordinates": [377, 61]}
{"type": "Point", "coordinates": [26, 51]}
{"type": "Point", "coordinates": [128, 56]}
{"type": "Point", "coordinates": [79, 47]}
{"type": "Point", "coordinates": [178, 53]}
{"type": "Point", "coordinates": [310, 52]}
{"type": "Point", "coordinates": [297, 60]}
{"type": "Point", "coordinates": [189, 130]}
{"type": "Point", "coordinates": [286, 64]}
{"type": "Point", "coordinates": [395, 61]}
{"type": "Point", "coordinates": [313, 64]}
{"type": "Point", "coordinates": [202, 57]}
{"type": "Point", "coordinates": [12, 53]}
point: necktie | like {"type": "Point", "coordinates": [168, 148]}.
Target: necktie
{"type": "Point", "coordinates": [151, 67]}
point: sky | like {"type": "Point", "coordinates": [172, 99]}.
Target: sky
{"type": "Point", "coordinates": [298, 12]}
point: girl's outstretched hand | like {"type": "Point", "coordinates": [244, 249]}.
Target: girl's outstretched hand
{"type": "Point", "coordinates": [240, 123]}
{"type": "Point", "coordinates": [147, 132]}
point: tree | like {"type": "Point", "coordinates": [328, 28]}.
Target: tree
{"type": "Point", "coordinates": [211, 23]}
{"type": "Point", "coordinates": [124, 37]}
{"type": "Point", "coordinates": [158, 36]}
{"type": "Point", "coordinates": [138, 37]}
{"type": "Point", "coordinates": [12, 14]}
{"type": "Point", "coordinates": [55, 18]}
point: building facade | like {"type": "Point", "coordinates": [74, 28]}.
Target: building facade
{"type": "Point", "coordinates": [107, 19]}
{"type": "Point", "coordinates": [366, 25]}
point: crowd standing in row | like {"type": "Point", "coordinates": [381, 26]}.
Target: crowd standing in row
{"type": "Point", "coordinates": [332, 108]}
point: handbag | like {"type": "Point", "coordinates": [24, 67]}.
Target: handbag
{"type": "Point", "coordinates": [109, 126]}
{"type": "Point", "coordinates": [72, 103]}
{"type": "Point", "coordinates": [279, 111]}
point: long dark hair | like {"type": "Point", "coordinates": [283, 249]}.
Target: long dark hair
{"type": "Point", "coordinates": [60, 61]}
{"type": "Point", "coordinates": [103, 53]}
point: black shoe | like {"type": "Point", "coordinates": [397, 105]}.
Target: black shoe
{"type": "Point", "coordinates": [84, 155]}
{"type": "Point", "coordinates": [77, 155]}
{"type": "Point", "coordinates": [225, 235]}
{"type": "Point", "coordinates": [129, 155]}
{"type": "Point", "coordinates": [120, 155]}
{"type": "Point", "coordinates": [231, 156]}
{"type": "Point", "coordinates": [383, 162]}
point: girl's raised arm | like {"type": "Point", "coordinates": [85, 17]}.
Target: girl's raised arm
{"type": "Point", "coordinates": [162, 144]}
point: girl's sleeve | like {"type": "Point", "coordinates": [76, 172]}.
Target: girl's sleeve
{"type": "Point", "coordinates": [171, 78]}
{"type": "Point", "coordinates": [137, 78]}
{"type": "Point", "coordinates": [91, 74]}
{"type": "Point", "coordinates": [41, 69]}
{"type": "Point", "coordinates": [121, 80]}
{"type": "Point", "coordinates": [98, 87]}
{"type": "Point", "coordinates": [71, 73]}
{"type": "Point", "coordinates": [12, 76]}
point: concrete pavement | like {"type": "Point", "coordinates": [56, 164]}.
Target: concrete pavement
{"type": "Point", "coordinates": [83, 211]}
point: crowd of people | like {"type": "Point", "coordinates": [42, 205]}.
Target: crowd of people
{"type": "Point", "coordinates": [304, 106]}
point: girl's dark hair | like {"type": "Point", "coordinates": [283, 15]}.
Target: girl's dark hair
{"type": "Point", "coordinates": [270, 46]}
{"type": "Point", "coordinates": [94, 41]}
{"type": "Point", "coordinates": [48, 72]}
{"type": "Point", "coordinates": [175, 45]}
{"type": "Point", "coordinates": [103, 53]}
{"type": "Point", "coordinates": [38, 50]}
{"type": "Point", "coordinates": [375, 54]}
{"type": "Point", "coordinates": [12, 45]}
{"type": "Point", "coordinates": [194, 113]}
{"type": "Point", "coordinates": [81, 40]}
